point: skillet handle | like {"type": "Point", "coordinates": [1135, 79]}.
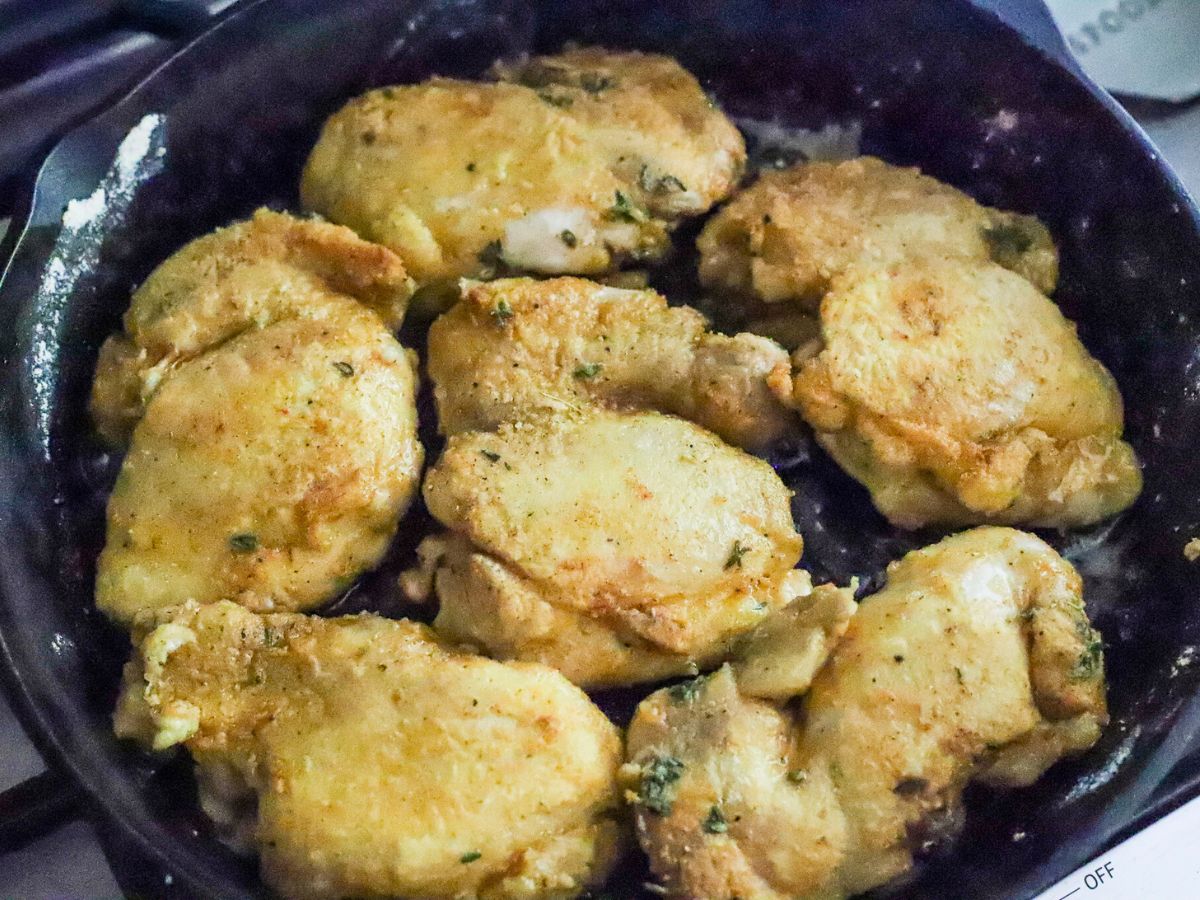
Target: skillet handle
{"type": "Point", "coordinates": [36, 807]}
{"type": "Point", "coordinates": [1032, 20]}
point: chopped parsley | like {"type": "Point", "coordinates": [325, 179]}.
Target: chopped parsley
{"type": "Point", "coordinates": [685, 691]}
{"type": "Point", "coordinates": [243, 543]}
{"type": "Point", "coordinates": [502, 312]}
{"type": "Point", "coordinates": [624, 209]}
{"type": "Point", "coordinates": [657, 789]}
{"type": "Point", "coordinates": [1091, 660]}
{"type": "Point", "coordinates": [1007, 241]}
{"type": "Point", "coordinates": [368, 137]}
{"type": "Point", "coordinates": [271, 636]}
{"type": "Point", "coordinates": [568, 237]}
{"type": "Point", "coordinates": [588, 370]}
{"type": "Point", "coordinates": [541, 74]}
{"type": "Point", "coordinates": [470, 856]}
{"type": "Point", "coordinates": [797, 776]}
{"type": "Point", "coordinates": [735, 555]}
{"type": "Point", "coordinates": [595, 82]}
{"type": "Point", "coordinates": [715, 823]}
{"type": "Point", "coordinates": [344, 368]}
{"type": "Point", "coordinates": [470, 167]}
{"type": "Point", "coordinates": [490, 455]}
{"type": "Point", "coordinates": [562, 101]}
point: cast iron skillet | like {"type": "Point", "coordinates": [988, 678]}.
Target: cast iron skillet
{"type": "Point", "coordinates": [224, 127]}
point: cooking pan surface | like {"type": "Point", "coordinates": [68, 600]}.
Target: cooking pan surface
{"type": "Point", "coordinates": [225, 127]}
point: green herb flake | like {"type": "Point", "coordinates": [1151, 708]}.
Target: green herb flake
{"type": "Point", "coordinates": [595, 82]}
{"type": "Point", "coordinates": [958, 673]}
{"type": "Point", "coordinates": [1091, 660]}
{"type": "Point", "coordinates": [470, 167]}
{"type": "Point", "coordinates": [624, 209]}
{"type": "Point", "coordinates": [243, 543]}
{"type": "Point", "coordinates": [490, 455]}
{"type": "Point", "coordinates": [735, 555]}
{"type": "Point", "coordinates": [715, 823]}
{"type": "Point", "coordinates": [797, 776]}
{"type": "Point", "coordinates": [657, 789]}
{"type": "Point", "coordinates": [562, 101]}
{"type": "Point", "coordinates": [685, 691]}
{"type": "Point", "coordinates": [588, 370]}
{"type": "Point", "coordinates": [470, 856]}
{"type": "Point", "coordinates": [388, 93]}
{"type": "Point", "coordinates": [542, 74]}
{"type": "Point", "coordinates": [344, 369]}
{"type": "Point", "coordinates": [568, 237]}
{"type": "Point", "coordinates": [368, 137]}
{"type": "Point", "coordinates": [502, 312]}
{"type": "Point", "coordinates": [271, 636]}
{"type": "Point", "coordinates": [1007, 241]}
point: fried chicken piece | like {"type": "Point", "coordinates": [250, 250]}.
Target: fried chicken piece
{"type": "Point", "coordinates": [271, 470]}
{"type": "Point", "coordinates": [959, 394]}
{"type": "Point", "coordinates": [676, 153]}
{"type": "Point", "coordinates": [515, 347]}
{"type": "Point", "coordinates": [976, 661]}
{"type": "Point", "coordinates": [793, 232]}
{"type": "Point", "coordinates": [575, 164]}
{"type": "Point", "coordinates": [617, 547]}
{"type": "Point", "coordinates": [248, 275]}
{"type": "Point", "coordinates": [363, 758]}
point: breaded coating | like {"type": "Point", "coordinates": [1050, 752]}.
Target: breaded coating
{"type": "Point", "coordinates": [579, 163]}
{"type": "Point", "coordinates": [976, 661]}
{"type": "Point", "coordinates": [960, 394]}
{"type": "Point", "coordinates": [793, 232]}
{"type": "Point", "coordinates": [617, 547]}
{"type": "Point", "coordinates": [675, 152]}
{"type": "Point", "coordinates": [516, 347]}
{"type": "Point", "coordinates": [271, 267]}
{"type": "Point", "coordinates": [363, 758]}
{"type": "Point", "coordinates": [271, 470]}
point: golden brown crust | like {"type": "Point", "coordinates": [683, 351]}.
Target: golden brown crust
{"type": "Point", "coordinates": [383, 763]}
{"type": "Point", "coordinates": [271, 470]}
{"type": "Point", "coordinates": [976, 660]}
{"type": "Point", "coordinates": [642, 534]}
{"type": "Point", "coordinates": [957, 393]}
{"type": "Point", "coordinates": [514, 348]}
{"type": "Point", "coordinates": [270, 267]}
{"type": "Point", "coordinates": [572, 164]}
{"type": "Point", "coordinates": [789, 235]}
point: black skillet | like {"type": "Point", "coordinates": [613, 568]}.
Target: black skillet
{"type": "Point", "coordinates": [224, 126]}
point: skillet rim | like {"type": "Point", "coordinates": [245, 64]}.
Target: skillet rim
{"type": "Point", "coordinates": [167, 851]}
